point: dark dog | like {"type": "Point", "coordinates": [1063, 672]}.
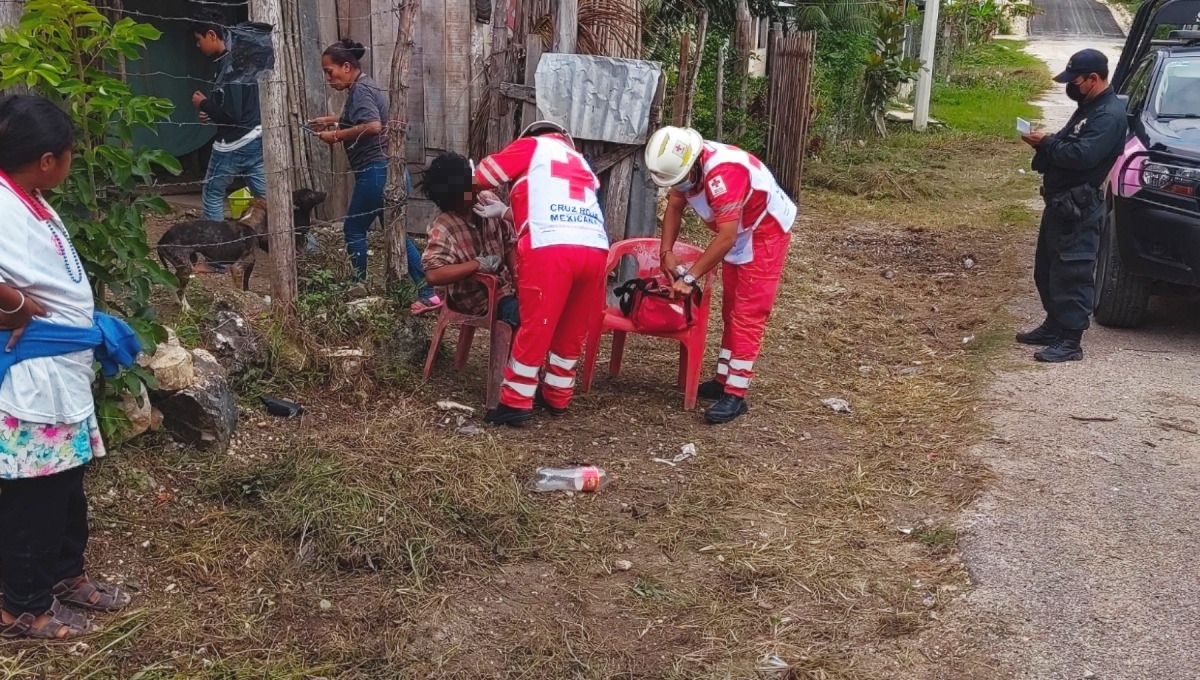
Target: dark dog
{"type": "Point", "coordinates": [304, 201]}
{"type": "Point", "coordinates": [205, 246]}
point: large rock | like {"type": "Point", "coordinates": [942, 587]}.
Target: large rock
{"type": "Point", "coordinates": [172, 367]}
{"type": "Point", "coordinates": [205, 413]}
{"type": "Point", "coordinates": [249, 304]}
{"type": "Point", "coordinates": [140, 412]}
{"type": "Point", "coordinates": [236, 342]}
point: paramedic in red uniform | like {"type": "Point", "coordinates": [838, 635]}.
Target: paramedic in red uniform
{"type": "Point", "coordinates": [739, 199]}
{"type": "Point", "coordinates": [562, 250]}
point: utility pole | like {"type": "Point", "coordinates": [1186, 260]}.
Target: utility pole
{"type": "Point", "coordinates": [929, 33]}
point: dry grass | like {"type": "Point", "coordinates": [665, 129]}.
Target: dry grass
{"type": "Point", "coordinates": [372, 541]}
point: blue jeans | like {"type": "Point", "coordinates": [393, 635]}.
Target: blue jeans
{"type": "Point", "coordinates": [416, 271]}
{"type": "Point", "coordinates": [508, 311]}
{"type": "Point", "coordinates": [224, 167]}
{"type": "Point", "coordinates": [366, 206]}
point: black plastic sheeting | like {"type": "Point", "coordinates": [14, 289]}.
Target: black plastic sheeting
{"type": "Point", "coordinates": [251, 53]}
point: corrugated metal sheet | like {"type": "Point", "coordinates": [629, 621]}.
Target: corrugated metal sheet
{"type": "Point", "coordinates": [598, 98]}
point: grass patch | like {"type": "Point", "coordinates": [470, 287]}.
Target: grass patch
{"type": "Point", "coordinates": [990, 87]}
{"type": "Point", "coordinates": [373, 539]}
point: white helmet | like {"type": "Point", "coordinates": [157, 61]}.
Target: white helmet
{"type": "Point", "coordinates": [543, 126]}
{"type": "Point", "coordinates": [671, 154]}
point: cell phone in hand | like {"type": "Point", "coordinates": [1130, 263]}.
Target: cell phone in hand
{"type": "Point", "coordinates": [1024, 127]}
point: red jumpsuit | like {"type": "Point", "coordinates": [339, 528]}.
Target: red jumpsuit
{"type": "Point", "coordinates": [736, 186]}
{"type": "Point", "coordinates": [562, 252]}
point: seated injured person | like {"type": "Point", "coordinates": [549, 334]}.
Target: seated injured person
{"type": "Point", "coordinates": [463, 243]}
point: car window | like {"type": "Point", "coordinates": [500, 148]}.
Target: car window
{"type": "Point", "coordinates": [1177, 93]}
{"type": "Point", "coordinates": [1138, 85]}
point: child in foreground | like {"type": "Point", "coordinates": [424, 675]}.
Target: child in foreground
{"type": "Point", "coordinates": [48, 427]}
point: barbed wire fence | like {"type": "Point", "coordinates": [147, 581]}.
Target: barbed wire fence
{"type": "Point", "coordinates": [282, 123]}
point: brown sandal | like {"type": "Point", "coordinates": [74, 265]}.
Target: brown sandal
{"type": "Point", "coordinates": [95, 595]}
{"type": "Point", "coordinates": [61, 623]}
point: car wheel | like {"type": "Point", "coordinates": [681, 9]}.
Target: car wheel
{"type": "Point", "coordinates": [1121, 297]}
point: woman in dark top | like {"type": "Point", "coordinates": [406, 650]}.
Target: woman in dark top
{"type": "Point", "coordinates": [360, 131]}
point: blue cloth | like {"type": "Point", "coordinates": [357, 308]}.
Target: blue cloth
{"type": "Point", "coordinates": [115, 343]}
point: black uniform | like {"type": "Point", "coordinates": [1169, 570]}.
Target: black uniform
{"type": "Point", "coordinates": [1074, 163]}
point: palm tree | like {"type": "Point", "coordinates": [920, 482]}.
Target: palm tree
{"type": "Point", "coordinates": [852, 16]}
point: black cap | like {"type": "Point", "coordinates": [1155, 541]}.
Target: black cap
{"type": "Point", "coordinates": [1083, 63]}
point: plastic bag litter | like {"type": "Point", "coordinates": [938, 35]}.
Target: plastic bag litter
{"type": "Point", "coordinates": [838, 404]}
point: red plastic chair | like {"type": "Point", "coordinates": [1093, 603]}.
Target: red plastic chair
{"type": "Point", "coordinates": [501, 339]}
{"type": "Point", "coordinates": [691, 341]}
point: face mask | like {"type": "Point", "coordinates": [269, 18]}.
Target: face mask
{"type": "Point", "coordinates": [1075, 93]}
{"type": "Point", "coordinates": [685, 186]}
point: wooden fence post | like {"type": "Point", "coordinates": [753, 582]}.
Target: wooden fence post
{"type": "Point", "coordinates": [679, 103]}
{"type": "Point", "coordinates": [567, 27]}
{"type": "Point", "coordinates": [11, 11]}
{"type": "Point", "coordinates": [533, 54]}
{"type": "Point", "coordinates": [694, 76]}
{"type": "Point", "coordinates": [720, 107]}
{"type": "Point", "coordinates": [396, 219]}
{"type": "Point", "coordinates": [277, 157]}
{"type": "Point", "coordinates": [742, 51]}
{"type": "Point", "coordinates": [497, 136]}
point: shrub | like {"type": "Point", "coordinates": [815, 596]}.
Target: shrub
{"type": "Point", "coordinates": [68, 51]}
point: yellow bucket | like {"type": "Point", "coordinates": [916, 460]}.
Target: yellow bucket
{"type": "Point", "coordinates": [239, 201]}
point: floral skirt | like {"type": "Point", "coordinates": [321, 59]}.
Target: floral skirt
{"type": "Point", "coordinates": [38, 450]}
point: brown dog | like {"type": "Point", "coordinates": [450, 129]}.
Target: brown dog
{"type": "Point", "coordinates": [206, 246]}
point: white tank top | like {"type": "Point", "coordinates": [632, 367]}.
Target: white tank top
{"type": "Point", "coordinates": [563, 209]}
{"type": "Point", "coordinates": [779, 207]}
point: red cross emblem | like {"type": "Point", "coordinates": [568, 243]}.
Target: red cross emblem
{"type": "Point", "coordinates": [576, 173]}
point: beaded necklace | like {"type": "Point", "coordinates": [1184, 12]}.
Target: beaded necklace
{"type": "Point", "coordinates": [62, 241]}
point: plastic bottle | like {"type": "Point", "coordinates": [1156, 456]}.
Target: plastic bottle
{"type": "Point", "coordinates": [589, 478]}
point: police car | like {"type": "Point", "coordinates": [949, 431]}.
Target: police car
{"type": "Point", "coordinates": [1150, 242]}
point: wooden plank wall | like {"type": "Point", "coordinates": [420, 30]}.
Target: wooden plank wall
{"type": "Point", "coordinates": [460, 23]}
{"type": "Point", "coordinates": [440, 83]}
{"type": "Point", "coordinates": [310, 26]}
{"type": "Point", "coordinates": [385, 21]}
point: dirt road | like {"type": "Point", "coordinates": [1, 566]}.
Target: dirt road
{"type": "Point", "coordinates": [1084, 551]}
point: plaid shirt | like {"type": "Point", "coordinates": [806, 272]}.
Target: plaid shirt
{"type": "Point", "coordinates": [453, 240]}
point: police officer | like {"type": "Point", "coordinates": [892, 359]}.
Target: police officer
{"type": "Point", "coordinates": [1074, 163]}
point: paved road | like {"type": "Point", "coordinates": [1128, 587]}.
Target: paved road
{"type": "Point", "coordinates": [1084, 549]}
{"type": "Point", "coordinates": [1073, 19]}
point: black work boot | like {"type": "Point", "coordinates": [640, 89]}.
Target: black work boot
{"type": "Point", "coordinates": [507, 415]}
{"type": "Point", "coordinates": [540, 402]}
{"type": "Point", "coordinates": [1066, 348]}
{"type": "Point", "coordinates": [1044, 335]}
{"type": "Point", "coordinates": [726, 409]}
{"type": "Point", "coordinates": [711, 390]}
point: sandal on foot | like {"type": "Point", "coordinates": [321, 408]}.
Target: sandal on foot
{"type": "Point", "coordinates": [89, 594]}
{"type": "Point", "coordinates": [59, 623]}
{"type": "Point", "coordinates": [427, 305]}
